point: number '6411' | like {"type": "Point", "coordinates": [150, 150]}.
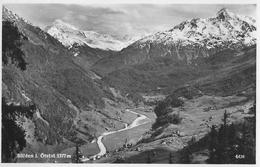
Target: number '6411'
{"type": "Point", "coordinates": [240, 156]}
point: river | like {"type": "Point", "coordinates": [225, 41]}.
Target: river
{"type": "Point", "coordinates": [140, 120]}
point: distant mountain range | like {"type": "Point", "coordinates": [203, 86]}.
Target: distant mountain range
{"type": "Point", "coordinates": [69, 35]}
{"type": "Point", "coordinates": [226, 28]}
{"type": "Point", "coordinates": [188, 41]}
{"type": "Point", "coordinates": [170, 58]}
{"type": "Point", "coordinates": [81, 81]}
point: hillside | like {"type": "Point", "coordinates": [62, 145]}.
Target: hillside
{"type": "Point", "coordinates": [202, 81]}
{"type": "Point", "coordinates": [64, 93]}
{"type": "Point", "coordinates": [168, 59]}
{"type": "Point", "coordinates": [181, 132]}
{"type": "Point", "coordinates": [160, 99]}
{"type": "Point", "coordinates": [87, 47]}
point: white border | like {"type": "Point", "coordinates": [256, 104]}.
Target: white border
{"type": "Point", "coordinates": [141, 2]}
{"type": "Point", "coordinates": [135, 1]}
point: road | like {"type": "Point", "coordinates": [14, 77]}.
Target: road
{"type": "Point", "coordinates": [140, 120]}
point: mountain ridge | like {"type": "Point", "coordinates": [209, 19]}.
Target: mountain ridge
{"type": "Point", "coordinates": [186, 42]}
{"type": "Point", "coordinates": [69, 35]}
{"type": "Point", "coordinates": [63, 93]}
{"type": "Point", "coordinates": [224, 27]}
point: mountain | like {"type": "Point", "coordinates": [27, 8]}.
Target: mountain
{"type": "Point", "coordinates": [74, 93]}
{"type": "Point", "coordinates": [226, 29]}
{"type": "Point", "coordinates": [230, 87]}
{"type": "Point", "coordinates": [87, 47]}
{"type": "Point", "coordinates": [188, 41]}
{"type": "Point", "coordinates": [70, 106]}
{"type": "Point", "coordinates": [69, 35]}
{"type": "Point", "coordinates": [169, 59]}
{"type": "Point", "coordinates": [202, 79]}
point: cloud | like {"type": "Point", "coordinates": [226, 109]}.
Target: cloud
{"type": "Point", "coordinates": [122, 20]}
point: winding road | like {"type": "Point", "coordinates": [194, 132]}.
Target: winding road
{"type": "Point", "coordinates": [140, 120]}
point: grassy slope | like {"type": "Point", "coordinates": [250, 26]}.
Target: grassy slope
{"type": "Point", "coordinates": [164, 74]}
{"type": "Point", "coordinates": [231, 87]}
{"type": "Point", "coordinates": [51, 78]}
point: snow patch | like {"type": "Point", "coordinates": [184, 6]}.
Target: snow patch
{"type": "Point", "coordinates": [69, 35]}
{"type": "Point", "coordinates": [225, 28]}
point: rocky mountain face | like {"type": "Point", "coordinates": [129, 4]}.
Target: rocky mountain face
{"type": "Point", "coordinates": [87, 47]}
{"type": "Point", "coordinates": [169, 59]}
{"type": "Point", "coordinates": [73, 89]}
{"type": "Point", "coordinates": [226, 70]}
{"type": "Point", "coordinates": [224, 30]}
{"type": "Point", "coordinates": [64, 93]}
{"type": "Point", "coordinates": [188, 42]}
{"type": "Point", "coordinates": [69, 35]}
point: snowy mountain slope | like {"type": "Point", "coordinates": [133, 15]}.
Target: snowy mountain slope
{"type": "Point", "coordinates": [225, 28]}
{"type": "Point", "coordinates": [69, 35]}
{"type": "Point", "coordinates": [188, 42]}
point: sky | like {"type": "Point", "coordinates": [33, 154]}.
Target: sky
{"type": "Point", "coordinates": [122, 20]}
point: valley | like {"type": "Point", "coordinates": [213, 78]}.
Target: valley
{"type": "Point", "coordinates": [158, 99]}
{"type": "Point", "coordinates": [198, 115]}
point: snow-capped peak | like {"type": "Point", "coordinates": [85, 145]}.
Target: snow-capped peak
{"type": "Point", "coordinates": [62, 25]}
{"type": "Point", "coordinates": [225, 28]}
{"type": "Point", "coordinates": [69, 35]}
{"type": "Point", "coordinates": [224, 14]}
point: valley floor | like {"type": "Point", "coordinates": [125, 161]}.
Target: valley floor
{"type": "Point", "coordinates": [198, 115]}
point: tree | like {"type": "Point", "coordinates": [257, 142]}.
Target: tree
{"type": "Point", "coordinates": [174, 118]}
{"type": "Point", "coordinates": [233, 143]}
{"type": "Point", "coordinates": [11, 43]}
{"type": "Point", "coordinates": [77, 155]}
{"type": "Point", "coordinates": [170, 158]}
{"type": "Point", "coordinates": [221, 150]}
{"type": "Point", "coordinates": [13, 136]}
{"type": "Point", "coordinates": [213, 144]}
{"type": "Point", "coordinates": [149, 158]}
{"type": "Point", "coordinates": [225, 119]}
{"type": "Point", "coordinates": [219, 142]}
{"type": "Point", "coordinates": [160, 109]}
{"type": "Point", "coordinates": [186, 156]}
{"type": "Point", "coordinates": [192, 140]}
